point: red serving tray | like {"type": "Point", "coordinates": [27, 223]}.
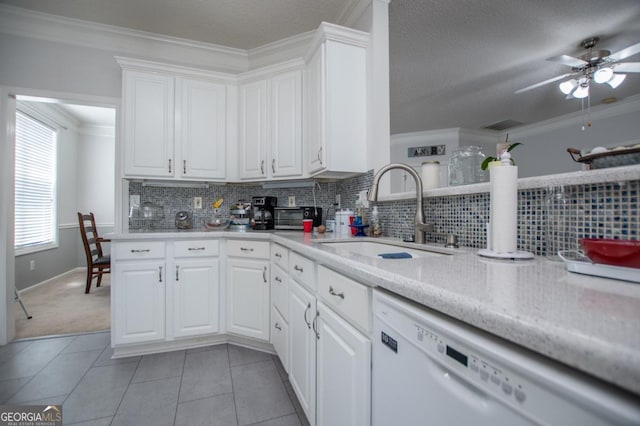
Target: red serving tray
{"type": "Point", "coordinates": [612, 252]}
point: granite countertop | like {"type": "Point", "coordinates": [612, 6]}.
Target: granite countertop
{"type": "Point", "coordinates": [589, 323]}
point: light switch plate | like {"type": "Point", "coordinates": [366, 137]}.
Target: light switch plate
{"type": "Point", "coordinates": [292, 200]}
{"type": "Point", "coordinates": [134, 200]}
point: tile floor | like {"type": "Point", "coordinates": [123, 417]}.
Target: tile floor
{"type": "Point", "coordinates": [215, 385]}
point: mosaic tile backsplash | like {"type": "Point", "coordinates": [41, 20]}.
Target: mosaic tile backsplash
{"type": "Point", "coordinates": [608, 210]}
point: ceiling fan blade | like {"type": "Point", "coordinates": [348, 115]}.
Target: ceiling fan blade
{"type": "Point", "coordinates": [627, 67]}
{"type": "Point", "coordinates": [568, 60]}
{"type": "Point", "coordinates": [542, 83]}
{"type": "Point", "coordinates": [625, 53]}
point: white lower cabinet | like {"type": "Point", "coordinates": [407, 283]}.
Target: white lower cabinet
{"type": "Point", "coordinates": [280, 337]}
{"type": "Point", "coordinates": [248, 289]}
{"type": "Point", "coordinates": [302, 347]}
{"type": "Point", "coordinates": [139, 302]}
{"type": "Point", "coordinates": [196, 301]}
{"type": "Point", "coordinates": [343, 395]}
{"type": "Point", "coordinates": [163, 291]}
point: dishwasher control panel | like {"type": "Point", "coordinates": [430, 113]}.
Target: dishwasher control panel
{"type": "Point", "coordinates": [465, 362]}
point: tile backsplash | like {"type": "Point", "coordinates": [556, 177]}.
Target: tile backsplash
{"type": "Point", "coordinates": [607, 210]}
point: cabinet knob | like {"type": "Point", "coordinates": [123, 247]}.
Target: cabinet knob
{"type": "Point", "coordinates": [277, 326]}
{"type": "Point", "coordinates": [196, 248]}
{"type": "Point", "coordinates": [278, 255]}
{"type": "Point", "coordinates": [262, 167]}
{"type": "Point", "coordinates": [177, 272]}
{"type": "Point", "coordinates": [273, 165]}
{"type": "Point", "coordinates": [140, 250]}
{"type": "Point", "coordinates": [264, 274]}
{"type": "Point", "coordinates": [246, 249]}
{"type": "Point", "coordinates": [333, 293]}
{"type": "Point", "coordinates": [278, 279]}
{"type": "Point", "coordinates": [184, 166]}
{"type": "Point", "coordinates": [169, 165]}
{"type": "Point", "coordinates": [160, 273]}
{"type": "Point", "coordinates": [298, 268]}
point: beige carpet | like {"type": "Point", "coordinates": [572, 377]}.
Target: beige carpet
{"type": "Point", "coordinates": [61, 307]}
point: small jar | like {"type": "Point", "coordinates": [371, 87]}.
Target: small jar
{"type": "Point", "coordinates": [430, 174]}
{"type": "Point", "coordinates": [465, 166]}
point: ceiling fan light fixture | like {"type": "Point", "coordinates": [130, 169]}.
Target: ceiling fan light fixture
{"type": "Point", "coordinates": [567, 86]}
{"type": "Point", "coordinates": [582, 91]}
{"type": "Point", "coordinates": [616, 80]}
{"type": "Point", "coordinates": [603, 75]}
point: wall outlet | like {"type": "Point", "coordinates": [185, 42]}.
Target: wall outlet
{"type": "Point", "coordinates": [292, 200]}
{"type": "Point", "coordinates": [32, 265]}
{"type": "Point", "coordinates": [197, 203]}
{"type": "Point", "coordinates": [363, 198]}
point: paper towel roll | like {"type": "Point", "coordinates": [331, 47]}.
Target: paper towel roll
{"type": "Point", "coordinates": [504, 209]}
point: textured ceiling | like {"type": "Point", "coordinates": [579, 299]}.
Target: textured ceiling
{"type": "Point", "coordinates": [454, 63]}
{"type": "Point", "coordinates": [242, 24]}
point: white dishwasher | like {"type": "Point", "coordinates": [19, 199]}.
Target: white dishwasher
{"type": "Point", "coordinates": [429, 369]}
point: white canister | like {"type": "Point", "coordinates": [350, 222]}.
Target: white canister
{"type": "Point", "coordinates": [430, 175]}
{"type": "Point", "coordinates": [331, 225]}
{"type": "Point", "coordinates": [342, 221]}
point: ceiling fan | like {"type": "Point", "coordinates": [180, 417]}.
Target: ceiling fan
{"type": "Point", "coordinates": [599, 66]}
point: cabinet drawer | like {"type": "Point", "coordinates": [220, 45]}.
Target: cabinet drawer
{"type": "Point", "coordinates": [346, 296]}
{"type": "Point", "coordinates": [280, 291]}
{"type": "Point", "coordinates": [280, 256]}
{"type": "Point", "coordinates": [139, 250]}
{"type": "Point", "coordinates": [302, 270]}
{"type": "Point", "coordinates": [196, 248]}
{"type": "Point", "coordinates": [249, 249]}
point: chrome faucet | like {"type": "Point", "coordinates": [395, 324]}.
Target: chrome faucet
{"type": "Point", "coordinates": [420, 228]}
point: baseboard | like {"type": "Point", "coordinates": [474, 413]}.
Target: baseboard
{"type": "Point", "coordinates": [34, 286]}
{"type": "Point", "coordinates": [190, 343]}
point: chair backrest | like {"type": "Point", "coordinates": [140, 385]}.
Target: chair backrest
{"type": "Point", "coordinates": [89, 233]}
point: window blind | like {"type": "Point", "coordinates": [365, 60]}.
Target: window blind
{"type": "Point", "coordinates": [35, 184]}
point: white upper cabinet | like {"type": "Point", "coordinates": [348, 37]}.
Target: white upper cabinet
{"type": "Point", "coordinates": [286, 124]}
{"type": "Point", "coordinates": [270, 126]}
{"type": "Point", "coordinates": [336, 102]}
{"type": "Point", "coordinates": [175, 125]}
{"type": "Point", "coordinates": [201, 129]}
{"type": "Point", "coordinates": [252, 134]}
{"type": "Point", "coordinates": [148, 101]}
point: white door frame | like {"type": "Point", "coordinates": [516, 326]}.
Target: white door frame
{"type": "Point", "coordinates": [7, 147]}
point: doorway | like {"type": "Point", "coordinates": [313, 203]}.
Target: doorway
{"type": "Point", "coordinates": [50, 280]}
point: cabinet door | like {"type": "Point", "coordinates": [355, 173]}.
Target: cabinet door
{"type": "Point", "coordinates": [196, 297]}
{"type": "Point", "coordinates": [286, 124]}
{"type": "Point", "coordinates": [201, 129]}
{"type": "Point", "coordinates": [149, 124]}
{"type": "Point", "coordinates": [314, 112]}
{"type": "Point", "coordinates": [344, 372]}
{"type": "Point", "coordinates": [302, 348]}
{"type": "Point", "coordinates": [248, 298]}
{"type": "Point", "coordinates": [139, 302]}
{"type": "Point", "coordinates": [280, 337]}
{"type": "Point", "coordinates": [252, 137]}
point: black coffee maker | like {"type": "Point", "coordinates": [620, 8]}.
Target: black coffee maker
{"type": "Point", "coordinates": [263, 212]}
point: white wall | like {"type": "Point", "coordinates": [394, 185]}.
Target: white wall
{"type": "Point", "coordinates": [544, 149]}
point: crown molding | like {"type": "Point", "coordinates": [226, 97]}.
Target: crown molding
{"type": "Point", "coordinates": [26, 23]}
{"type": "Point", "coordinates": [279, 51]}
{"type": "Point", "coordinates": [333, 32]}
{"type": "Point", "coordinates": [172, 69]}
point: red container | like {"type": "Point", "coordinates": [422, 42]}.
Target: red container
{"type": "Point", "coordinates": [612, 252]}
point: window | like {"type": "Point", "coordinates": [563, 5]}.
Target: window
{"type": "Point", "coordinates": [35, 185]}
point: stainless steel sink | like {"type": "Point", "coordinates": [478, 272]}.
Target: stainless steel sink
{"type": "Point", "coordinates": [371, 248]}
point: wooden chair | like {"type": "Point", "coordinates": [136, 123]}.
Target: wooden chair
{"type": "Point", "coordinates": [98, 263]}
